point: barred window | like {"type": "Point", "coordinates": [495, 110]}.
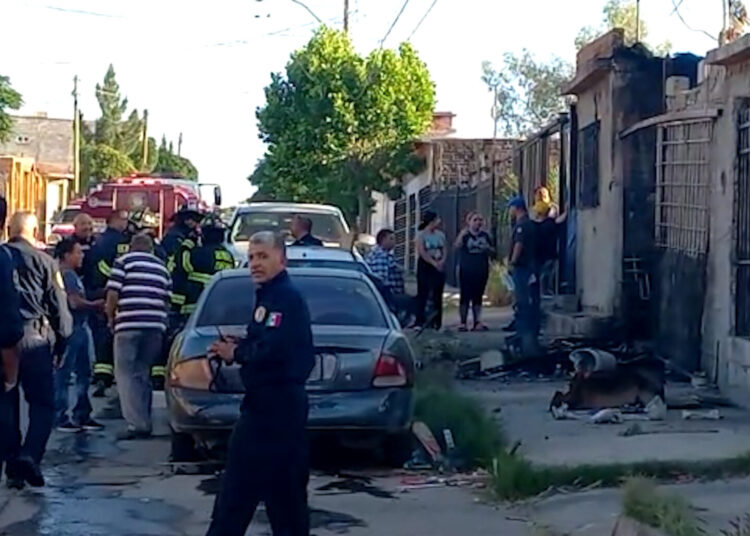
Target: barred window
{"type": "Point", "coordinates": [682, 182]}
{"type": "Point", "coordinates": [588, 165]}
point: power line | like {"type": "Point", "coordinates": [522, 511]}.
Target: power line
{"type": "Point", "coordinates": [83, 12]}
{"type": "Point", "coordinates": [422, 20]}
{"type": "Point", "coordinates": [310, 11]}
{"type": "Point", "coordinates": [684, 22]}
{"type": "Point", "coordinates": [406, 3]}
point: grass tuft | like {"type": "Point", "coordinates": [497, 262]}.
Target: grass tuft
{"type": "Point", "coordinates": [667, 512]}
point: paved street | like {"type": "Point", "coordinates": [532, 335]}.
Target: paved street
{"type": "Point", "coordinates": [99, 487]}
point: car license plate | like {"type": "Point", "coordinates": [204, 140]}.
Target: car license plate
{"type": "Point", "coordinates": [324, 368]}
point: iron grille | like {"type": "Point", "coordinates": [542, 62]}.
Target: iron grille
{"type": "Point", "coordinates": [682, 181]}
{"type": "Point", "coordinates": [412, 232]}
{"type": "Point", "coordinates": [399, 227]}
{"type": "Point", "coordinates": [742, 225]}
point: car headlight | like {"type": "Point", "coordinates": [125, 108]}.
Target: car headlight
{"type": "Point", "coordinates": [192, 374]}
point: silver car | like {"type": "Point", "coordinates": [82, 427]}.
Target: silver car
{"type": "Point", "coordinates": [361, 388]}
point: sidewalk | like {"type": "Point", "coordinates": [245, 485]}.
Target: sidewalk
{"type": "Point", "coordinates": [525, 417]}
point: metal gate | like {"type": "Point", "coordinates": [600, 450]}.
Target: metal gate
{"type": "Point", "coordinates": [742, 224]}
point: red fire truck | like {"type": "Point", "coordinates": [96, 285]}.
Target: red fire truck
{"type": "Point", "coordinates": [154, 197]}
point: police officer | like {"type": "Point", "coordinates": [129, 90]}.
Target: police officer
{"type": "Point", "coordinates": [11, 332]}
{"type": "Point", "coordinates": [302, 232]}
{"type": "Point", "coordinates": [268, 450]}
{"type": "Point", "coordinates": [47, 323]}
{"type": "Point", "coordinates": [112, 243]}
{"type": "Point", "coordinates": [183, 235]}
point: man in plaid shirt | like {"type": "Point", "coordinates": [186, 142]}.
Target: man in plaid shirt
{"type": "Point", "coordinates": [383, 264]}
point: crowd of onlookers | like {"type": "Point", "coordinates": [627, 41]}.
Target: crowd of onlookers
{"type": "Point", "coordinates": [532, 264]}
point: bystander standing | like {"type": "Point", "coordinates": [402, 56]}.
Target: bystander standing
{"type": "Point", "coordinates": [79, 350]}
{"type": "Point", "coordinates": [137, 305]}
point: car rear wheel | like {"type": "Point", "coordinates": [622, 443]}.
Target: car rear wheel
{"type": "Point", "coordinates": [397, 449]}
{"type": "Point", "coordinates": [183, 448]}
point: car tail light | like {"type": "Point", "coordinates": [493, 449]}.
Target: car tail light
{"type": "Point", "coordinates": [192, 374]}
{"type": "Point", "coordinates": [389, 372]}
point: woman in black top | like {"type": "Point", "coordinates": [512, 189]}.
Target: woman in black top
{"type": "Point", "coordinates": [475, 248]}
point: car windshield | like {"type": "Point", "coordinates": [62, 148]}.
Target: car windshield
{"type": "Point", "coordinates": [67, 215]}
{"type": "Point", "coordinates": [332, 301]}
{"type": "Point", "coordinates": [327, 227]}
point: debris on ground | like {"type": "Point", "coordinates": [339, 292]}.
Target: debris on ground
{"type": "Point", "coordinates": [607, 416]}
{"type": "Point", "coordinates": [710, 415]}
{"type": "Point", "coordinates": [475, 480]}
{"type": "Point", "coordinates": [588, 360]}
{"type": "Point", "coordinates": [631, 383]}
{"type": "Point", "coordinates": [428, 442]}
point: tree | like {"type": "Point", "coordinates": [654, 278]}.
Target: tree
{"type": "Point", "coordinates": [10, 99]}
{"type": "Point", "coordinates": [100, 162]}
{"type": "Point", "coordinates": [526, 91]}
{"type": "Point", "coordinates": [169, 162]}
{"type": "Point", "coordinates": [339, 126]}
{"type": "Point", "coordinates": [621, 14]}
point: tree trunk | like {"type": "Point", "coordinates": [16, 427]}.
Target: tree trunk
{"type": "Point", "coordinates": [363, 211]}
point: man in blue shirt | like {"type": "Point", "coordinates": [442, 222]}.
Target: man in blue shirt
{"type": "Point", "coordinates": [79, 350]}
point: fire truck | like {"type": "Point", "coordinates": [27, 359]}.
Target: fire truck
{"type": "Point", "coordinates": [154, 198]}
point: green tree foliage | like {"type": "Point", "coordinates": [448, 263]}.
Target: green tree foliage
{"type": "Point", "coordinates": [10, 99]}
{"type": "Point", "coordinates": [169, 162]}
{"type": "Point", "coordinates": [621, 14]}
{"type": "Point", "coordinates": [339, 125]}
{"type": "Point", "coordinates": [114, 147]}
{"type": "Point", "coordinates": [100, 162]}
{"type": "Point", "coordinates": [527, 91]}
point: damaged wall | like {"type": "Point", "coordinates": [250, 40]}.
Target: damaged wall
{"type": "Point", "coordinates": [726, 356]}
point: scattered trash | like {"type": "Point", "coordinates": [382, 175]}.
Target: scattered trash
{"type": "Point", "coordinates": [607, 416]}
{"type": "Point", "coordinates": [477, 480]}
{"type": "Point", "coordinates": [560, 413]}
{"type": "Point", "coordinates": [632, 383]}
{"type": "Point", "coordinates": [710, 415]}
{"type": "Point", "coordinates": [588, 360]}
{"type": "Point", "coordinates": [699, 380]}
{"type": "Point", "coordinates": [427, 440]}
{"type": "Point", "coordinates": [656, 410]}
{"type": "Point", "coordinates": [419, 461]}
{"type": "Point", "coordinates": [632, 430]}
{"type": "Point", "coordinates": [450, 444]}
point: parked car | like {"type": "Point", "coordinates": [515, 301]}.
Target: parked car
{"type": "Point", "coordinates": [329, 224]}
{"type": "Point", "coordinates": [361, 389]}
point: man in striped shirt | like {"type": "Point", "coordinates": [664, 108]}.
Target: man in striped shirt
{"type": "Point", "coordinates": [137, 304]}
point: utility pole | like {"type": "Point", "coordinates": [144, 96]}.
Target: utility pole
{"type": "Point", "coordinates": [637, 21]}
{"type": "Point", "coordinates": [179, 145]}
{"type": "Point", "coordinates": [144, 141]}
{"type": "Point", "coordinates": [76, 140]}
{"type": "Point", "coordinates": [346, 16]}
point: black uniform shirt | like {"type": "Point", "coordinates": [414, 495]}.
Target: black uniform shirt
{"type": "Point", "coordinates": [278, 351]}
{"type": "Point", "coordinates": [40, 287]}
{"type": "Point", "coordinates": [308, 240]}
{"type": "Point", "coordinates": [524, 233]}
{"type": "Point", "coordinates": [11, 324]}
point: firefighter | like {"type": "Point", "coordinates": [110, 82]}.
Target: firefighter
{"type": "Point", "coordinates": [203, 261]}
{"type": "Point", "coordinates": [183, 235]}
{"type": "Point", "coordinates": [193, 269]}
{"type": "Point", "coordinates": [112, 243]}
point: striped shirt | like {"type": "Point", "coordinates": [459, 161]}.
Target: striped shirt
{"type": "Point", "coordinates": [143, 286]}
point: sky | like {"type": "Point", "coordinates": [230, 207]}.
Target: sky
{"type": "Point", "coordinates": [200, 67]}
